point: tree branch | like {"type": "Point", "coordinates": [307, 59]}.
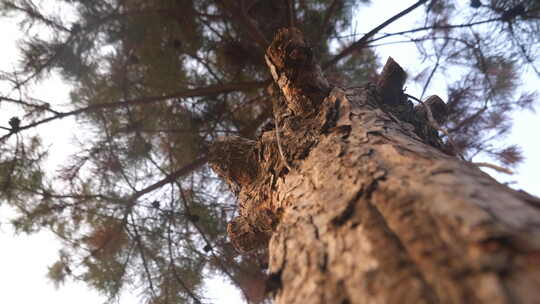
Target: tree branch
{"type": "Point", "coordinates": [170, 178]}
{"type": "Point", "coordinates": [210, 90]}
{"type": "Point", "coordinates": [132, 201]}
{"type": "Point", "coordinates": [44, 106]}
{"type": "Point", "coordinates": [436, 27]}
{"type": "Point", "coordinates": [364, 40]}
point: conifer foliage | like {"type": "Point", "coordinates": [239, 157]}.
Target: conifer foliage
{"type": "Point", "coordinates": [155, 82]}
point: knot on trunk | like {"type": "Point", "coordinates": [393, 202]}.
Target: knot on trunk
{"type": "Point", "coordinates": [234, 159]}
{"type": "Point", "coordinates": [245, 236]}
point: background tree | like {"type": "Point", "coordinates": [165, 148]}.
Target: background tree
{"type": "Point", "coordinates": [156, 82]}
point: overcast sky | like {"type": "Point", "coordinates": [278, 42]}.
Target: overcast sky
{"type": "Point", "coordinates": [24, 259]}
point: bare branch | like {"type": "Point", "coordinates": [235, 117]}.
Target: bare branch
{"type": "Point", "coordinates": [44, 106]}
{"type": "Point", "coordinates": [364, 40]}
{"type": "Point", "coordinates": [436, 27]}
{"type": "Point", "coordinates": [170, 178]}
{"type": "Point", "coordinates": [210, 90]}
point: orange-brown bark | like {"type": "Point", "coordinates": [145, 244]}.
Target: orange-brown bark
{"type": "Point", "coordinates": [370, 210]}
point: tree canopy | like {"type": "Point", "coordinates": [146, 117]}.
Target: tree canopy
{"type": "Point", "coordinates": [155, 82]}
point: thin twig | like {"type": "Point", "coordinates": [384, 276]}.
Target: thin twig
{"type": "Point", "coordinates": [175, 273]}
{"type": "Point", "coordinates": [430, 77]}
{"type": "Point", "coordinates": [435, 27]}
{"type": "Point", "coordinates": [494, 167]}
{"type": "Point", "coordinates": [364, 40]}
{"type": "Point", "coordinates": [285, 161]}
{"type": "Point", "coordinates": [137, 238]}
{"type": "Point", "coordinates": [44, 106]}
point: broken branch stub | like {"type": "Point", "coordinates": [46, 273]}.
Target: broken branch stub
{"type": "Point", "coordinates": [392, 99]}
{"type": "Point", "coordinates": [390, 83]}
{"type": "Point", "coordinates": [234, 159]}
{"type": "Point", "coordinates": [291, 63]}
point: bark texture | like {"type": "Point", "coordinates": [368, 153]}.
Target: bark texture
{"type": "Point", "coordinates": [360, 205]}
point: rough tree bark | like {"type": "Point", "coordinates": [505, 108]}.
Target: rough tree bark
{"type": "Point", "coordinates": [358, 203]}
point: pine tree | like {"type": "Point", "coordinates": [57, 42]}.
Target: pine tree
{"type": "Point", "coordinates": [157, 83]}
{"type": "Point", "coordinates": [358, 204]}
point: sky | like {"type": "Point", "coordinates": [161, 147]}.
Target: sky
{"type": "Point", "coordinates": [24, 259]}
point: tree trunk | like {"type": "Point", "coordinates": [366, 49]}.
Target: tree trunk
{"type": "Point", "coordinates": [358, 203]}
